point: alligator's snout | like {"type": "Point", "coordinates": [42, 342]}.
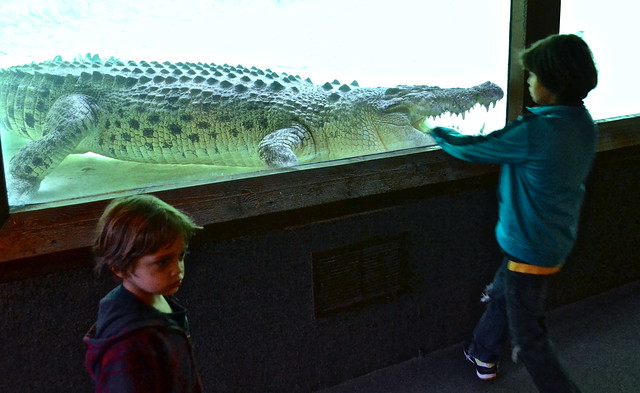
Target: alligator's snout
{"type": "Point", "coordinates": [421, 103]}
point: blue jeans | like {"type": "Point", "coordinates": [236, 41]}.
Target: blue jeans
{"type": "Point", "coordinates": [515, 309]}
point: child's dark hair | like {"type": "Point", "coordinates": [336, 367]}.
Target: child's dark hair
{"type": "Point", "coordinates": [564, 65]}
{"type": "Point", "coordinates": [135, 226]}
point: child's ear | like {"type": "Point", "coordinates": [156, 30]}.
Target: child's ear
{"type": "Point", "coordinates": [118, 273]}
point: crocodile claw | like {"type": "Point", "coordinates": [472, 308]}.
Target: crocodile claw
{"type": "Point", "coordinates": [20, 191]}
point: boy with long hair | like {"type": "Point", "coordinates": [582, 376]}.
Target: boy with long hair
{"type": "Point", "coordinates": [546, 156]}
{"type": "Point", "coordinates": [140, 342]}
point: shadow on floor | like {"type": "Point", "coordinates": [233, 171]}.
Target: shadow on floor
{"type": "Point", "coordinates": [598, 340]}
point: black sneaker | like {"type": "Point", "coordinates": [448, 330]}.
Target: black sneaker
{"type": "Point", "coordinates": [484, 371]}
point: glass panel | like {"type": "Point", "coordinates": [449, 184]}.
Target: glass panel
{"type": "Point", "coordinates": [162, 125]}
{"type": "Point", "coordinates": [611, 31]}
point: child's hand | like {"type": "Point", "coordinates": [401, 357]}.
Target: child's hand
{"type": "Point", "coordinates": [426, 126]}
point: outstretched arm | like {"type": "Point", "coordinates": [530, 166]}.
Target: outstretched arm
{"type": "Point", "coordinates": [508, 145]}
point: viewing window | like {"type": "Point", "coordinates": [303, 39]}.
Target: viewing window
{"type": "Point", "coordinates": [610, 30]}
{"type": "Point", "coordinates": [115, 121]}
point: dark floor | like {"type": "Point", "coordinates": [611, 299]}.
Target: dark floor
{"type": "Point", "coordinates": [598, 340]}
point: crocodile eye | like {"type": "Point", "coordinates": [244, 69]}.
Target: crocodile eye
{"type": "Point", "coordinates": [391, 91]}
{"type": "Point", "coordinates": [396, 108]}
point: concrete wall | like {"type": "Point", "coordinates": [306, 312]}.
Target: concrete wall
{"type": "Point", "coordinates": [249, 289]}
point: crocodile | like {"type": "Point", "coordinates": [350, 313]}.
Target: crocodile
{"type": "Point", "coordinates": [207, 113]}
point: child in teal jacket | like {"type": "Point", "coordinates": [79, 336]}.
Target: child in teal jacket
{"type": "Point", "coordinates": [545, 158]}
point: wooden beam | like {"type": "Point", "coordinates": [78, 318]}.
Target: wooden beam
{"type": "Point", "coordinates": [530, 21]}
{"type": "Point", "coordinates": [33, 232]}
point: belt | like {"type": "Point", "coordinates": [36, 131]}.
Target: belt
{"type": "Point", "coordinates": [520, 267]}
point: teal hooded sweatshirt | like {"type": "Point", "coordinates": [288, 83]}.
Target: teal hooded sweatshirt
{"type": "Point", "coordinates": [545, 158]}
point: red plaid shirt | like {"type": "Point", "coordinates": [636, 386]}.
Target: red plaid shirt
{"type": "Point", "coordinates": [135, 348]}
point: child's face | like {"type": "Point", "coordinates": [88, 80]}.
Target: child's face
{"type": "Point", "coordinates": [156, 274]}
{"type": "Point", "coordinates": [539, 93]}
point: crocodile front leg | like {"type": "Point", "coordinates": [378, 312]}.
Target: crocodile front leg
{"type": "Point", "coordinates": [278, 149]}
{"type": "Point", "coordinates": [68, 122]}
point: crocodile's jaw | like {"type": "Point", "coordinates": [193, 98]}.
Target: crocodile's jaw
{"type": "Point", "coordinates": [422, 102]}
{"type": "Point", "coordinates": [382, 119]}
{"type": "Point", "coordinates": [431, 104]}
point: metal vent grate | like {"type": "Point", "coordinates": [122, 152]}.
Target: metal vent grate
{"type": "Point", "coordinates": [348, 276]}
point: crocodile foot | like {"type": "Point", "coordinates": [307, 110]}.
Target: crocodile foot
{"type": "Point", "coordinates": [20, 190]}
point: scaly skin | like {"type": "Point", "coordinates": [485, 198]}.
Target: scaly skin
{"type": "Point", "coordinates": [187, 113]}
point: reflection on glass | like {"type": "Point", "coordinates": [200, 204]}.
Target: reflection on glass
{"type": "Point", "coordinates": [608, 30]}
{"type": "Point", "coordinates": [160, 106]}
